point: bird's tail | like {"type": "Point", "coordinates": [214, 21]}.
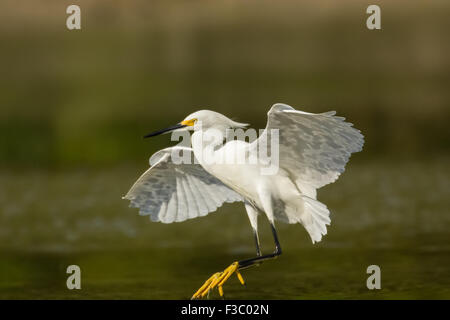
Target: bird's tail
{"type": "Point", "coordinates": [312, 214]}
{"type": "Point", "coordinates": [315, 218]}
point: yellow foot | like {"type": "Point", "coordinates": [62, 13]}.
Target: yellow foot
{"type": "Point", "coordinates": [217, 280]}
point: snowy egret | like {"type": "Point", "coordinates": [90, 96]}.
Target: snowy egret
{"type": "Point", "coordinates": [313, 150]}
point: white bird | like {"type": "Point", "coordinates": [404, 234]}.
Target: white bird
{"type": "Point", "coordinates": [313, 151]}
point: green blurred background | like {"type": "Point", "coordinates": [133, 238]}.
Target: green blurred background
{"type": "Point", "coordinates": [75, 104]}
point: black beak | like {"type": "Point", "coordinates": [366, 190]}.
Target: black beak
{"type": "Point", "coordinates": [156, 133]}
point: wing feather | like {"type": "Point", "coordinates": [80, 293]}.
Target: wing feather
{"type": "Point", "coordinates": [204, 193]}
{"type": "Point", "coordinates": [314, 148]}
{"type": "Point", "coordinates": [202, 207]}
{"type": "Point", "coordinates": [171, 192]}
{"type": "Point", "coordinates": [171, 211]}
{"type": "Point", "coordinates": [192, 205]}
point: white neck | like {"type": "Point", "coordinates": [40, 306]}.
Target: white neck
{"type": "Point", "coordinates": [206, 142]}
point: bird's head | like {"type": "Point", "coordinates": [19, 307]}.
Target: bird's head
{"type": "Point", "coordinates": [201, 120]}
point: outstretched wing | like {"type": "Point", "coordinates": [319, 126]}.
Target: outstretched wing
{"type": "Point", "coordinates": [171, 192]}
{"type": "Point", "coordinates": [313, 148]}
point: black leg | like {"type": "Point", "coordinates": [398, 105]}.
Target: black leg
{"type": "Point", "coordinates": [258, 247]}
{"type": "Point", "coordinates": [257, 260]}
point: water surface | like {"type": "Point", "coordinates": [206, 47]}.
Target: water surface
{"type": "Point", "coordinates": [392, 214]}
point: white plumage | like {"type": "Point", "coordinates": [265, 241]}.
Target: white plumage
{"type": "Point", "coordinates": [313, 151]}
{"type": "Point", "coordinates": [171, 192]}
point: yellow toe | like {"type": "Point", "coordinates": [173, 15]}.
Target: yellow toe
{"type": "Point", "coordinates": [218, 279]}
